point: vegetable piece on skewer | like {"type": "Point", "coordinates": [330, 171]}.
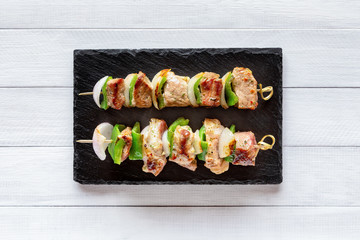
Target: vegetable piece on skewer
{"type": "Point", "coordinates": [136, 147]}
{"type": "Point", "coordinates": [203, 144]}
{"type": "Point", "coordinates": [101, 133]}
{"type": "Point", "coordinates": [97, 90]}
{"type": "Point", "coordinates": [169, 90]}
{"type": "Point", "coordinates": [157, 88]}
{"type": "Point", "coordinates": [205, 89]}
{"type": "Point", "coordinates": [228, 96]}
{"type": "Point", "coordinates": [194, 91]}
{"type": "Point", "coordinates": [121, 143]}
{"type": "Point", "coordinates": [138, 90]}
{"type": "Point", "coordinates": [227, 143]}
{"type": "Point", "coordinates": [130, 82]}
{"type": "Point", "coordinates": [231, 157]}
{"type": "Point", "coordinates": [166, 143]}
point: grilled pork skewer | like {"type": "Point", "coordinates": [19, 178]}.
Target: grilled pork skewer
{"type": "Point", "coordinates": [237, 88]}
{"type": "Point", "coordinates": [214, 144]}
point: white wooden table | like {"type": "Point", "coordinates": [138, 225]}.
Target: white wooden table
{"type": "Point", "coordinates": [320, 195]}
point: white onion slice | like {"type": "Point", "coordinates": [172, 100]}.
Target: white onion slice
{"type": "Point", "coordinates": [197, 142]}
{"type": "Point", "coordinates": [101, 133]}
{"type": "Point", "coordinates": [155, 82]}
{"type": "Point", "coordinates": [97, 90]}
{"type": "Point", "coordinates": [223, 99]}
{"type": "Point", "coordinates": [145, 131]}
{"type": "Point", "coordinates": [191, 93]}
{"type": "Point", "coordinates": [127, 88]}
{"type": "Point", "coordinates": [227, 139]}
{"type": "Point", "coordinates": [166, 143]}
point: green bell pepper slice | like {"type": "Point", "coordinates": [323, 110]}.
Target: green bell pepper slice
{"type": "Point", "coordinates": [197, 91]}
{"type": "Point", "coordinates": [171, 130]}
{"type": "Point", "coordinates": [116, 146]}
{"type": "Point", "coordinates": [161, 100]}
{"type": "Point", "coordinates": [104, 103]}
{"type": "Point", "coordinates": [136, 147]}
{"type": "Point", "coordinates": [131, 88]}
{"type": "Point", "coordinates": [232, 128]}
{"type": "Point", "coordinates": [204, 144]}
{"type": "Point", "coordinates": [231, 157]}
{"type": "Point", "coordinates": [231, 97]}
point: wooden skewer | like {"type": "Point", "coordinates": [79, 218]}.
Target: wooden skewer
{"type": "Point", "coordinates": [266, 89]}
{"type": "Point", "coordinates": [86, 93]}
{"type": "Point", "coordinates": [91, 141]}
{"type": "Point", "coordinates": [265, 146]}
{"type": "Point", "coordinates": [261, 91]}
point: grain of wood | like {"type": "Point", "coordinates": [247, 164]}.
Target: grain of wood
{"type": "Point", "coordinates": [312, 58]}
{"type": "Point", "coordinates": [312, 177]}
{"type": "Point", "coordinates": [181, 223]}
{"type": "Point", "coordinates": [224, 14]}
{"type": "Point", "coordinates": [312, 117]}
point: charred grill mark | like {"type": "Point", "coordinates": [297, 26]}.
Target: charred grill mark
{"type": "Point", "coordinates": [241, 156]}
{"type": "Point", "coordinates": [139, 81]}
{"type": "Point", "coordinates": [218, 88]}
{"type": "Point", "coordinates": [151, 165]}
{"type": "Point", "coordinates": [184, 137]}
{"type": "Point", "coordinates": [207, 83]}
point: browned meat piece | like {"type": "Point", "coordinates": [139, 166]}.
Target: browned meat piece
{"type": "Point", "coordinates": [246, 150]}
{"type": "Point", "coordinates": [213, 130]}
{"type": "Point", "coordinates": [183, 151]}
{"type": "Point", "coordinates": [127, 137]}
{"type": "Point", "coordinates": [153, 154]}
{"type": "Point", "coordinates": [245, 87]}
{"type": "Point", "coordinates": [142, 92]}
{"type": "Point", "coordinates": [175, 91]}
{"type": "Point", "coordinates": [115, 93]}
{"type": "Point", "coordinates": [211, 87]}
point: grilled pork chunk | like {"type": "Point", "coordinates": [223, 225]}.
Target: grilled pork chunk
{"type": "Point", "coordinates": [211, 87]}
{"type": "Point", "coordinates": [127, 137]}
{"type": "Point", "coordinates": [246, 150]}
{"type": "Point", "coordinates": [153, 154]}
{"type": "Point", "coordinates": [183, 150]}
{"type": "Point", "coordinates": [213, 129]}
{"type": "Point", "coordinates": [245, 87]}
{"type": "Point", "coordinates": [142, 92]}
{"type": "Point", "coordinates": [115, 93]}
{"type": "Point", "coordinates": [175, 91]}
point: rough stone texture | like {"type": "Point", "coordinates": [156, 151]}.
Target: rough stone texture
{"type": "Point", "coordinates": [91, 65]}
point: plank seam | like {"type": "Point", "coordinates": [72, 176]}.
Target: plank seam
{"type": "Point", "coordinates": [187, 29]}
{"type": "Point", "coordinates": [179, 206]}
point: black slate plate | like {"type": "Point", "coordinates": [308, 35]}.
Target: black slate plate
{"type": "Point", "coordinates": [91, 65]}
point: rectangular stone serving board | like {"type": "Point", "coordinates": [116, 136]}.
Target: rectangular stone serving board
{"type": "Point", "coordinates": [91, 65]}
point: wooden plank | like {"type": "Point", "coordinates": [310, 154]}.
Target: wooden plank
{"type": "Point", "coordinates": [181, 223]}
{"type": "Point", "coordinates": [312, 117]}
{"type": "Point", "coordinates": [312, 177]}
{"type": "Point", "coordinates": [184, 14]}
{"type": "Point", "coordinates": [312, 58]}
